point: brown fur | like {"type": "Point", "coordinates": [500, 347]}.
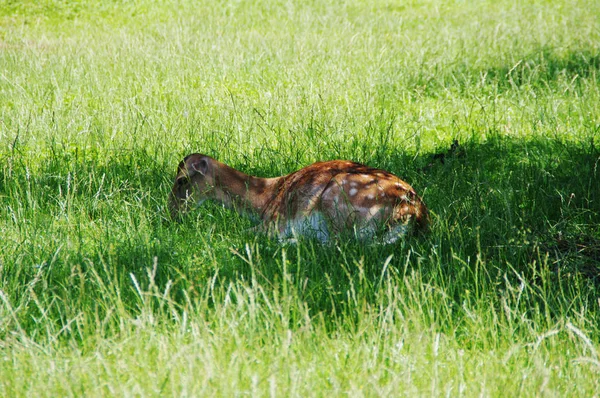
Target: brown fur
{"type": "Point", "coordinates": [346, 193]}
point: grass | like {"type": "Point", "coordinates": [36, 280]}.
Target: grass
{"type": "Point", "coordinates": [101, 295]}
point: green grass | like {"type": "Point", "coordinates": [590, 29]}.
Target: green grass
{"type": "Point", "coordinates": [101, 295]}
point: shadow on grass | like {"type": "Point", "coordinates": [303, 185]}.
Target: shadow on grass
{"type": "Point", "coordinates": [545, 68]}
{"type": "Point", "coordinates": [522, 208]}
{"type": "Point", "coordinates": [503, 211]}
{"type": "Point", "coordinates": [517, 198]}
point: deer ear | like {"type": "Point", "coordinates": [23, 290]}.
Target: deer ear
{"type": "Point", "coordinates": [200, 166]}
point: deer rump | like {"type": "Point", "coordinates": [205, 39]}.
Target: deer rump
{"type": "Point", "coordinates": [343, 197]}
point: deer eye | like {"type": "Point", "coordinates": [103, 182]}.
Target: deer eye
{"type": "Point", "coordinates": [181, 181]}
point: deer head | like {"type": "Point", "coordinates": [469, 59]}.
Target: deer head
{"type": "Point", "coordinates": [194, 183]}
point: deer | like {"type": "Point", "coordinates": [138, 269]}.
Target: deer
{"type": "Point", "coordinates": [322, 200]}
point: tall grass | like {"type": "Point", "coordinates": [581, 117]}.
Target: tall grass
{"type": "Point", "coordinates": [101, 294]}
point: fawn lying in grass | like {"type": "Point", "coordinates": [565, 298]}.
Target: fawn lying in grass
{"type": "Point", "coordinates": [320, 200]}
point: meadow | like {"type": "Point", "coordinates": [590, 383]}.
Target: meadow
{"type": "Point", "coordinates": [102, 294]}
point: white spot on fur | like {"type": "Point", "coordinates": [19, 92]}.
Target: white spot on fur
{"type": "Point", "coordinates": [401, 186]}
{"type": "Point", "coordinates": [370, 196]}
{"type": "Point", "coordinates": [353, 184]}
{"type": "Point", "coordinates": [353, 191]}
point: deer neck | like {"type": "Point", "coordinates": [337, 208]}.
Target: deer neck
{"type": "Point", "coordinates": [234, 188]}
